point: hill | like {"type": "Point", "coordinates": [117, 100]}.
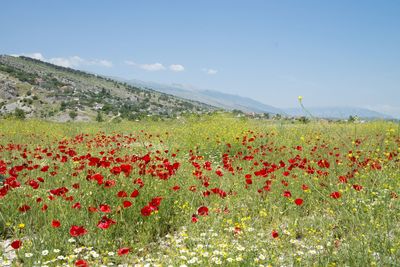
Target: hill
{"type": "Point", "coordinates": [211, 97]}
{"type": "Point", "coordinates": [43, 90]}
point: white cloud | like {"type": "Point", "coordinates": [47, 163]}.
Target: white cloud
{"type": "Point", "coordinates": [130, 63]}
{"type": "Point", "coordinates": [149, 67]}
{"type": "Point", "coordinates": [70, 62]}
{"type": "Point", "coordinates": [105, 63]}
{"type": "Point", "coordinates": [176, 67]}
{"type": "Point", "coordinates": [152, 67]}
{"type": "Point", "coordinates": [210, 71]}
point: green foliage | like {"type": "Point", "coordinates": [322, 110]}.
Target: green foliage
{"type": "Point", "coordinates": [352, 118]}
{"type": "Point", "coordinates": [63, 105]}
{"type": "Point", "coordinates": [73, 114]}
{"type": "Point", "coordinates": [237, 111]}
{"type": "Point", "coordinates": [52, 83]}
{"type": "Point", "coordinates": [304, 119]}
{"type": "Point", "coordinates": [19, 114]}
{"type": "Point", "coordinates": [99, 117]}
{"type": "Point", "coordinates": [19, 74]}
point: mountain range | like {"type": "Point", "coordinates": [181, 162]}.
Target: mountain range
{"type": "Point", "coordinates": [231, 102]}
{"type": "Point", "coordinates": [210, 97]}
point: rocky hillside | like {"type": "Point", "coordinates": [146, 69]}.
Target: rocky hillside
{"type": "Point", "coordinates": [211, 97]}
{"type": "Point", "coordinates": [33, 88]}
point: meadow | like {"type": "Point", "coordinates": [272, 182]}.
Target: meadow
{"type": "Point", "coordinates": [199, 191]}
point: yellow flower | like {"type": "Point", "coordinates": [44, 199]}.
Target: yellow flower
{"type": "Point", "coordinates": [21, 226]}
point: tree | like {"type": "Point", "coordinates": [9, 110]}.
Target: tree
{"type": "Point", "coordinates": [99, 117]}
{"type": "Point", "coordinates": [304, 119]}
{"type": "Point", "coordinates": [63, 106]}
{"type": "Point", "coordinates": [72, 114]}
{"type": "Point", "coordinates": [352, 118]}
{"type": "Point", "coordinates": [19, 114]}
{"type": "Point", "coordinates": [237, 111]}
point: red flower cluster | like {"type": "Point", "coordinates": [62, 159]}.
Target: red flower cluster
{"type": "Point", "coordinates": [77, 231]}
{"type": "Point", "coordinates": [152, 206]}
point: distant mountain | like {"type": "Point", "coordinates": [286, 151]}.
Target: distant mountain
{"type": "Point", "coordinates": [43, 90]}
{"type": "Point", "coordinates": [210, 97]}
{"type": "Point", "coordinates": [337, 112]}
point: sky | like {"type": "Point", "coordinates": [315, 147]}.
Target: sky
{"type": "Point", "coordinates": [333, 53]}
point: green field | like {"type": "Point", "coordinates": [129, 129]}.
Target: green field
{"type": "Point", "coordinates": [200, 191]}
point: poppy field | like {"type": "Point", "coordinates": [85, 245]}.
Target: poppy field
{"type": "Point", "coordinates": [199, 191]}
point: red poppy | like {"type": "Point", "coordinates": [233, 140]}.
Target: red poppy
{"type": "Point", "coordinates": [287, 194]}
{"type": "Point", "coordinates": [105, 208]}
{"type": "Point", "coordinates": [92, 209]}
{"type": "Point", "coordinates": [135, 193]}
{"type": "Point", "coordinates": [194, 218]}
{"type": "Point", "coordinates": [127, 204]}
{"type": "Point", "coordinates": [176, 188]}
{"type": "Point", "coordinates": [59, 191]}
{"type": "Point", "coordinates": [219, 173]}
{"type": "Point", "coordinates": [55, 223]}
{"type": "Point", "coordinates": [44, 169]}
{"type": "Point", "coordinates": [105, 222]}
{"type": "Point", "coordinates": [98, 177]}
{"type": "Point", "coordinates": [109, 184]}
{"type": "Point", "coordinates": [155, 202]}
{"type": "Point", "coordinates": [122, 194]}
{"type": "Point", "coordinates": [33, 184]}
{"type": "Point", "coordinates": [116, 170]}
{"type": "Point", "coordinates": [342, 179]}
{"type": "Point", "coordinates": [123, 251]}
{"type": "Point", "coordinates": [357, 187]}
{"type": "Point", "coordinates": [77, 205]}
{"type": "Point", "coordinates": [77, 230]}
{"type": "Point", "coordinates": [323, 163]}
{"type": "Point", "coordinates": [202, 211]}
{"type": "Point", "coordinates": [275, 234]}
{"type": "Point", "coordinates": [81, 263]}
{"type": "Point", "coordinates": [16, 244]}
{"type": "Point", "coordinates": [126, 168]}
{"type": "Point", "coordinates": [24, 208]}
{"type": "Point", "coordinates": [237, 230]}
{"type": "Point", "coordinates": [335, 195]}
{"type": "Point", "coordinates": [298, 201]}
{"type": "Point", "coordinates": [192, 188]}
{"type": "Point", "coordinates": [147, 210]}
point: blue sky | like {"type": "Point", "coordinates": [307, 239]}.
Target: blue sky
{"type": "Point", "coordinates": [333, 53]}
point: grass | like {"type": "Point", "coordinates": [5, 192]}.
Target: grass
{"type": "Point", "coordinates": [234, 192]}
